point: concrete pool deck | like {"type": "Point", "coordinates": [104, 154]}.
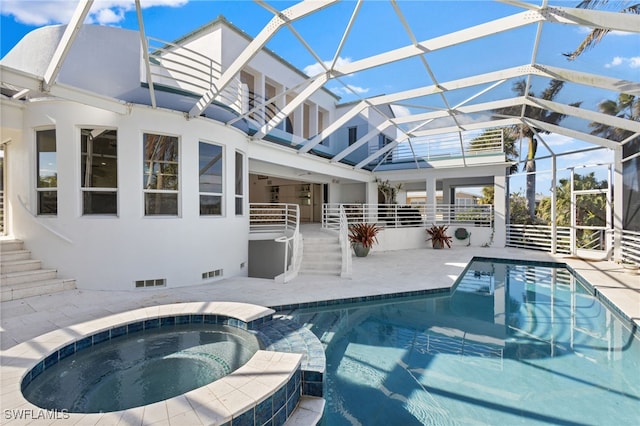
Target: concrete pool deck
{"type": "Point", "coordinates": [379, 273]}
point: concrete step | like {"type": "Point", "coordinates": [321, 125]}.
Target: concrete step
{"type": "Point", "coordinates": [308, 412]}
{"type": "Point", "coordinates": [10, 256]}
{"type": "Point", "coordinates": [11, 245]}
{"type": "Point", "coordinates": [19, 266]}
{"type": "Point", "coordinates": [12, 278]}
{"type": "Point", "coordinates": [35, 288]}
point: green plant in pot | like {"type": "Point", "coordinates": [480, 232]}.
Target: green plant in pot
{"type": "Point", "coordinates": [438, 236]}
{"type": "Point", "coordinates": [362, 237]}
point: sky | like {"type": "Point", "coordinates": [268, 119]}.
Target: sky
{"type": "Point", "coordinates": [378, 28]}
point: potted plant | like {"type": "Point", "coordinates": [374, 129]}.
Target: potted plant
{"type": "Point", "coordinates": [362, 237]}
{"type": "Point", "coordinates": [438, 236]}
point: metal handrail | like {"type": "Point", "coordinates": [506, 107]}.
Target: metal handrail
{"type": "Point", "coordinates": [630, 247]}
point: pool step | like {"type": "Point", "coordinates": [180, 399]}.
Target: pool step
{"type": "Point", "coordinates": [308, 412]}
{"type": "Point", "coordinates": [21, 276]}
{"type": "Point", "coordinates": [321, 255]}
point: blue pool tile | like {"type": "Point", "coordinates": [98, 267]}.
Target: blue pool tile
{"type": "Point", "coordinates": [183, 319]}
{"type": "Point", "coordinates": [39, 368]}
{"type": "Point", "coordinates": [292, 403]}
{"type": "Point", "coordinates": [269, 423]}
{"type": "Point", "coordinates": [244, 419]}
{"type": "Point", "coordinates": [68, 350]}
{"type": "Point", "coordinates": [118, 331]}
{"type": "Point", "coordinates": [100, 337]}
{"type": "Point", "coordinates": [135, 326]}
{"type": "Point", "coordinates": [197, 319]}
{"type": "Point", "coordinates": [264, 411]}
{"type": "Point", "coordinates": [167, 321]}
{"type": "Point", "coordinates": [51, 360]}
{"type": "Point", "coordinates": [279, 399]}
{"type": "Point", "coordinates": [280, 417]}
{"type": "Point", "coordinates": [151, 323]}
{"type": "Point", "coordinates": [83, 343]}
{"type": "Point", "coordinates": [210, 319]}
{"type": "Point", "coordinates": [312, 389]}
{"type": "Point", "coordinates": [311, 376]}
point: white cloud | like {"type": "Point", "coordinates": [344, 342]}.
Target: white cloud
{"type": "Point", "coordinates": [349, 90]}
{"type": "Point", "coordinates": [632, 62]}
{"type": "Point", "coordinates": [315, 69]}
{"type": "Point", "coordinates": [104, 12]}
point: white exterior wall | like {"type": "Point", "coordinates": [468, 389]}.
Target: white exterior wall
{"type": "Point", "coordinates": [108, 252]}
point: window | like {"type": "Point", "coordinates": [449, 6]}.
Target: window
{"type": "Point", "coordinates": [160, 178]}
{"type": "Point", "coordinates": [47, 186]}
{"type": "Point", "coordinates": [99, 168]}
{"type": "Point", "coordinates": [239, 183]}
{"type": "Point", "coordinates": [353, 135]}
{"type": "Point", "coordinates": [210, 172]}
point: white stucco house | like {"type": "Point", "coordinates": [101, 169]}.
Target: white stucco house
{"type": "Point", "coordinates": [132, 162]}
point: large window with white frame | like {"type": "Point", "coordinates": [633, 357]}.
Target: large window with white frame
{"type": "Point", "coordinates": [239, 183]}
{"type": "Point", "coordinates": [99, 169]}
{"type": "Point", "coordinates": [161, 174]}
{"type": "Point", "coordinates": [47, 183]}
{"type": "Point", "coordinates": [210, 171]}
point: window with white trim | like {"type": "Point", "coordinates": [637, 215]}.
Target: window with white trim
{"type": "Point", "coordinates": [99, 168]}
{"type": "Point", "coordinates": [47, 183]}
{"type": "Point", "coordinates": [160, 175]}
{"type": "Point", "coordinates": [210, 172]}
{"type": "Point", "coordinates": [239, 183]}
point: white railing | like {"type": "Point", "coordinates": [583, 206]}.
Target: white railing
{"type": "Point", "coordinates": [538, 237]}
{"type": "Point", "coordinates": [446, 146]}
{"type": "Point", "coordinates": [630, 243]}
{"type": "Point", "coordinates": [345, 244]}
{"type": "Point", "coordinates": [280, 218]}
{"type": "Point", "coordinates": [407, 215]}
{"type": "Point", "coordinates": [178, 67]}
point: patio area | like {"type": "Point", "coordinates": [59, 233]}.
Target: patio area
{"type": "Point", "coordinates": [379, 273]}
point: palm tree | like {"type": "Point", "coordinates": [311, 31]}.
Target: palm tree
{"type": "Point", "coordinates": [523, 130]}
{"type": "Point", "coordinates": [596, 35]}
{"type": "Point", "coordinates": [627, 106]}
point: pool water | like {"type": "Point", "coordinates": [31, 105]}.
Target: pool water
{"type": "Point", "coordinates": [142, 368]}
{"type": "Point", "coordinates": [513, 344]}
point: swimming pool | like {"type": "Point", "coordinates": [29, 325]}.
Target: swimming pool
{"type": "Point", "coordinates": [141, 368]}
{"type": "Point", "coordinates": [513, 344]}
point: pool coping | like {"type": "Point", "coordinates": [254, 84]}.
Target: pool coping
{"type": "Point", "coordinates": [216, 403]}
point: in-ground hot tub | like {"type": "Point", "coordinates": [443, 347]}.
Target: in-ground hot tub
{"type": "Point", "coordinates": [142, 367]}
{"type": "Point", "coordinates": [268, 388]}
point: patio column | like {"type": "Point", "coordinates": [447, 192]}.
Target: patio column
{"type": "Point", "coordinates": [499, 211]}
{"type": "Point", "coordinates": [372, 198]}
{"type": "Point", "coordinates": [431, 199]}
{"type": "Point", "coordinates": [618, 195]}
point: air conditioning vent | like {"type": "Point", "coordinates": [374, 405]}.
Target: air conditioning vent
{"type": "Point", "coordinates": [160, 282]}
{"type": "Point", "coordinates": [212, 274]}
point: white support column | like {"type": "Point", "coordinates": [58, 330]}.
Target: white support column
{"type": "Point", "coordinates": [259, 92]}
{"type": "Point", "coordinates": [372, 198]}
{"type": "Point", "coordinates": [500, 210]}
{"type": "Point", "coordinates": [554, 199]}
{"type": "Point", "coordinates": [431, 201]}
{"type": "Point", "coordinates": [618, 195]}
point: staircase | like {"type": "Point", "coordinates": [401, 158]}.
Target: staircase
{"type": "Point", "coordinates": [321, 255]}
{"type": "Point", "coordinates": [21, 276]}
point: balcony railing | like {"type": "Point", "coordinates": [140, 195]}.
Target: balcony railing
{"type": "Point", "coordinates": [180, 68]}
{"type": "Point", "coordinates": [407, 215]}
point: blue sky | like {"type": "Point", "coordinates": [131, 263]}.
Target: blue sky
{"type": "Point", "coordinates": [376, 30]}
